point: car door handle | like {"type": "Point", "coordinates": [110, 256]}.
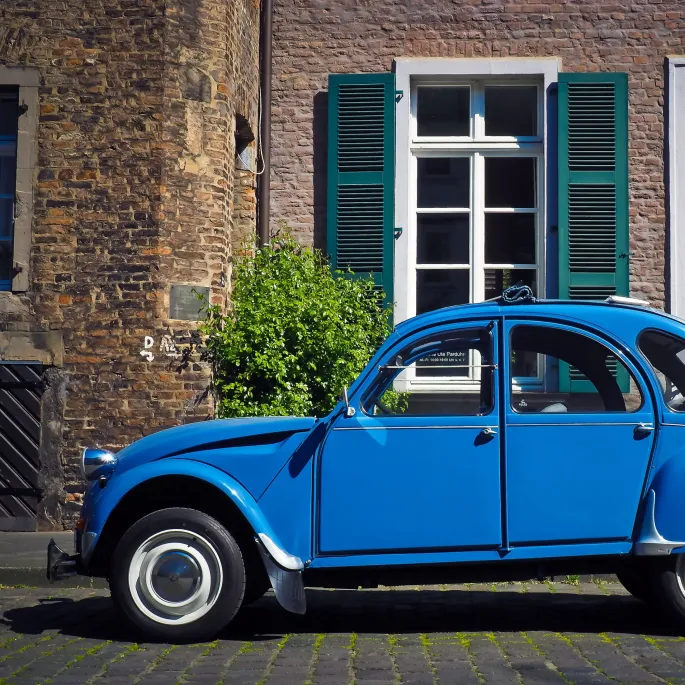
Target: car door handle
{"type": "Point", "coordinates": [488, 431]}
{"type": "Point", "coordinates": [643, 429]}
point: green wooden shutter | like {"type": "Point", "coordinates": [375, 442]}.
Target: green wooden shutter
{"type": "Point", "coordinates": [593, 192]}
{"type": "Point", "coordinates": [361, 175]}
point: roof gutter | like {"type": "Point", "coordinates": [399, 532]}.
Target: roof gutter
{"type": "Point", "coordinates": [265, 70]}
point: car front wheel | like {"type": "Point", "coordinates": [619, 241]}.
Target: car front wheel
{"type": "Point", "coordinates": [178, 576]}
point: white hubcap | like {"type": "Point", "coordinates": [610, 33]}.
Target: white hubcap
{"type": "Point", "coordinates": [175, 577]}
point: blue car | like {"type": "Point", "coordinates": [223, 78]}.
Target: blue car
{"type": "Point", "coordinates": [486, 442]}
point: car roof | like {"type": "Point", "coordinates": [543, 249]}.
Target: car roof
{"type": "Point", "coordinates": [618, 318]}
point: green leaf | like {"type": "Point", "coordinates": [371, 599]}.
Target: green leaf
{"type": "Point", "coordinates": [295, 333]}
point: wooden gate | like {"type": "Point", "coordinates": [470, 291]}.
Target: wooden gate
{"type": "Point", "coordinates": [21, 388]}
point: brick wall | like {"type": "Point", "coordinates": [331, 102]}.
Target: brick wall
{"type": "Point", "coordinates": [315, 37]}
{"type": "Point", "coordinates": [134, 190]}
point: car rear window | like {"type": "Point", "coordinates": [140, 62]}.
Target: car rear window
{"type": "Point", "coordinates": [666, 354]}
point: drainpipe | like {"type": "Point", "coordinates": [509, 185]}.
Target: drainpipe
{"type": "Point", "coordinates": [264, 182]}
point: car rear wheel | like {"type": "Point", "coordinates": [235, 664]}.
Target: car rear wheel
{"type": "Point", "coordinates": [669, 586]}
{"type": "Point", "coordinates": [178, 575]}
{"type": "Point", "coordinates": [638, 582]}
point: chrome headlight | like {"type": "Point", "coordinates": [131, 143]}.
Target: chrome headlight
{"type": "Point", "coordinates": [96, 463]}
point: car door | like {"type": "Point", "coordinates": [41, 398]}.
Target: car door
{"type": "Point", "coordinates": [417, 467]}
{"type": "Point", "coordinates": [578, 444]}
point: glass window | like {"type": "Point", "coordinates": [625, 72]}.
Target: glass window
{"type": "Point", "coordinates": [465, 355]}
{"type": "Point", "coordinates": [510, 238]}
{"type": "Point", "coordinates": [443, 111]}
{"type": "Point", "coordinates": [9, 111]}
{"type": "Point", "coordinates": [476, 223]}
{"type": "Point", "coordinates": [444, 182]}
{"type": "Point", "coordinates": [511, 110]}
{"type": "Point", "coordinates": [510, 182]}
{"type": "Point", "coordinates": [443, 239]}
{"type": "Point", "coordinates": [438, 288]}
{"type": "Point", "coordinates": [594, 369]}
{"type": "Point", "coordinates": [666, 354]}
{"type": "Point", "coordinates": [9, 114]}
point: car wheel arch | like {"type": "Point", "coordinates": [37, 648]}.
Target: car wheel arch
{"type": "Point", "coordinates": [174, 490]}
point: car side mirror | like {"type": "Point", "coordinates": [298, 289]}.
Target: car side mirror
{"type": "Point", "coordinates": [349, 411]}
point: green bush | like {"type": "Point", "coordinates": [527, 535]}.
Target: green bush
{"type": "Point", "coordinates": [294, 336]}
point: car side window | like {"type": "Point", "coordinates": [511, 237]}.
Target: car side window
{"type": "Point", "coordinates": [666, 355]}
{"type": "Point", "coordinates": [458, 364]}
{"type": "Point", "coordinates": [598, 380]}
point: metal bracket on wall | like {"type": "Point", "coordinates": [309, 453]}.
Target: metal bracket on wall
{"type": "Point", "coordinates": [399, 94]}
{"type": "Point", "coordinates": [397, 232]}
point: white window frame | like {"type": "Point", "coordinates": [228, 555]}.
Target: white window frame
{"type": "Point", "coordinates": [676, 181]}
{"type": "Point", "coordinates": [410, 75]}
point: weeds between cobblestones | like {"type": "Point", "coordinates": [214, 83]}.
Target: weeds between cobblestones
{"type": "Point", "coordinates": [503, 634]}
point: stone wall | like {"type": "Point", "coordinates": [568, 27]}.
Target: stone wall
{"type": "Point", "coordinates": [133, 191]}
{"type": "Point", "coordinates": [313, 38]}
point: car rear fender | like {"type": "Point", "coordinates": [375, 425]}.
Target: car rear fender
{"type": "Point", "coordinates": [661, 528]}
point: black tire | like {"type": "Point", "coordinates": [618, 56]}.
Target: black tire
{"type": "Point", "coordinates": [639, 582]}
{"type": "Point", "coordinates": [669, 586]}
{"type": "Point", "coordinates": [255, 588]}
{"type": "Point", "coordinates": [202, 543]}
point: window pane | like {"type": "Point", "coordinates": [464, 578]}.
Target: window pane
{"type": "Point", "coordinates": [5, 260]}
{"type": "Point", "coordinates": [498, 280]}
{"type": "Point", "coordinates": [666, 354]}
{"type": "Point", "coordinates": [511, 111]}
{"type": "Point", "coordinates": [6, 217]}
{"type": "Point", "coordinates": [444, 182]}
{"type": "Point", "coordinates": [9, 113]}
{"type": "Point", "coordinates": [596, 390]}
{"type": "Point", "coordinates": [437, 288]}
{"type": "Point", "coordinates": [443, 239]}
{"type": "Point", "coordinates": [443, 111]}
{"type": "Point", "coordinates": [448, 363]}
{"type": "Point", "coordinates": [510, 182]}
{"type": "Point", "coordinates": [510, 238]}
{"type": "Point", "coordinates": [459, 348]}
{"type": "Point", "coordinates": [7, 174]}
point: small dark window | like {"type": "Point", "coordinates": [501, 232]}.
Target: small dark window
{"type": "Point", "coordinates": [9, 117]}
{"type": "Point", "coordinates": [666, 354]}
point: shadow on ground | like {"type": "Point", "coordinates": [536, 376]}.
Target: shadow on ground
{"type": "Point", "coordinates": [371, 611]}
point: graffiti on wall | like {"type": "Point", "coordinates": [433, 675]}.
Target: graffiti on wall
{"type": "Point", "coordinates": [169, 346]}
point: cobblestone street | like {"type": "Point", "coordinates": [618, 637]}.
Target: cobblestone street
{"type": "Point", "coordinates": [524, 634]}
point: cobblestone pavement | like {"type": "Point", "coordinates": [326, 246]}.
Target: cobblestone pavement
{"type": "Point", "coordinates": [523, 634]}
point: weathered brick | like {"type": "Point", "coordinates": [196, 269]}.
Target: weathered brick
{"type": "Point", "coordinates": [313, 38]}
{"type": "Point", "coordinates": [135, 149]}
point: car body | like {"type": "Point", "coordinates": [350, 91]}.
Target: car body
{"type": "Point", "coordinates": [486, 441]}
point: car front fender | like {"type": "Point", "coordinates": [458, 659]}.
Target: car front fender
{"type": "Point", "coordinates": [106, 500]}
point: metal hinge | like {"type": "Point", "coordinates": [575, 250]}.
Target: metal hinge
{"type": "Point", "coordinates": [399, 94]}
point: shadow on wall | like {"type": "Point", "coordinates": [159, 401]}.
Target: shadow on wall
{"type": "Point", "coordinates": [320, 144]}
